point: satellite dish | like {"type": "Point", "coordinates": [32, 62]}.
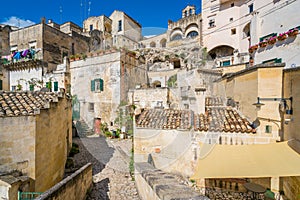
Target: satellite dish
{"type": "Point", "coordinates": [255, 123]}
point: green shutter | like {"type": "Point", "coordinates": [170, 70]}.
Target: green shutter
{"type": "Point", "coordinates": [31, 87]}
{"type": "Point", "coordinates": [92, 85]}
{"type": "Point", "coordinates": [0, 84]}
{"type": "Point", "coordinates": [101, 84]}
{"type": "Point", "coordinates": [49, 86]}
{"type": "Point", "coordinates": [55, 86]}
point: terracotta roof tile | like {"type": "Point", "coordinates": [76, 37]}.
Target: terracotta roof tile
{"type": "Point", "coordinates": [23, 103]}
{"type": "Point", "coordinates": [217, 118]}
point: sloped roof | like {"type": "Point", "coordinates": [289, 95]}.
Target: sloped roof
{"type": "Point", "coordinates": [217, 118]}
{"type": "Point", "coordinates": [24, 103]}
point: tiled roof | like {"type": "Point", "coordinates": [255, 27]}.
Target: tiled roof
{"type": "Point", "coordinates": [217, 118]}
{"type": "Point", "coordinates": [165, 119]}
{"type": "Point", "coordinates": [222, 120]}
{"type": "Point", "coordinates": [24, 103]}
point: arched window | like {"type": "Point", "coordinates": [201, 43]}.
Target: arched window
{"type": "Point", "coordinates": [191, 11]}
{"type": "Point", "coordinates": [163, 43]}
{"type": "Point", "coordinates": [152, 44]}
{"type": "Point", "coordinates": [186, 13]}
{"type": "Point", "coordinates": [176, 37]}
{"type": "Point", "coordinates": [192, 34]}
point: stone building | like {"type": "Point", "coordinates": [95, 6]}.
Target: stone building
{"type": "Point", "coordinates": [231, 27]}
{"type": "Point", "coordinates": [185, 30]}
{"type": "Point", "coordinates": [100, 85]}
{"type": "Point", "coordinates": [38, 49]}
{"type": "Point", "coordinates": [291, 126]}
{"type": "Point", "coordinates": [117, 30]}
{"type": "Point", "coordinates": [4, 50]}
{"type": "Point", "coordinates": [36, 136]}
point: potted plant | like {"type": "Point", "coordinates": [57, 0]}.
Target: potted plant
{"type": "Point", "coordinates": [72, 58]}
{"type": "Point", "coordinates": [263, 44]}
{"type": "Point", "coordinates": [77, 57]}
{"type": "Point", "coordinates": [253, 48]}
{"type": "Point", "coordinates": [282, 36]}
{"type": "Point", "coordinates": [272, 40]}
{"type": "Point", "coordinates": [293, 32]}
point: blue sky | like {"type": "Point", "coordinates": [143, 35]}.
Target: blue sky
{"type": "Point", "coordinates": [150, 14]}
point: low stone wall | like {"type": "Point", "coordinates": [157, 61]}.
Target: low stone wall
{"type": "Point", "coordinates": [154, 184]}
{"type": "Point", "coordinates": [73, 187]}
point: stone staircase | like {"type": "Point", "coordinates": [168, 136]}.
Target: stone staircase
{"type": "Point", "coordinates": [83, 129]}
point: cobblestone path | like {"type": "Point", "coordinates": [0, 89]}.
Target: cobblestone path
{"type": "Point", "coordinates": [110, 159]}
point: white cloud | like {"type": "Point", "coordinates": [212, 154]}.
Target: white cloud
{"type": "Point", "coordinates": [18, 22]}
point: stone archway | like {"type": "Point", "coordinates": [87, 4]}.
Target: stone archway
{"type": "Point", "coordinates": [221, 51]}
{"type": "Point", "coordinates": [163, 42]}
{"type": "Point", "coordinates": [152, 44]}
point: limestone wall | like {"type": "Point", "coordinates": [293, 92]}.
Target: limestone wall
{"type": "Point", "coordinates": [74, 187]}
{"type": "Point", "coordinates": [53, 141]}
{"type": "Point", "coordinates": [18, 143]}
{"type": "Point", "coordinates": [151, 97]}
{"type": "Point", "coordinates": [291, 187]}
{"type": "Point", "coordinates": [171, 150]}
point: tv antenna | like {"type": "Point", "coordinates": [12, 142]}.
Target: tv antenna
{"type": "Point", "coordinates": [60, 13]}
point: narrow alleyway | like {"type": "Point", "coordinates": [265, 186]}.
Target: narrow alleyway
{"type": "Point", "coordinates": [110, 159]}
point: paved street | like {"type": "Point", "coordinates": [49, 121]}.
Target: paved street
{"type": "Point", "coordinates": [110, 159]}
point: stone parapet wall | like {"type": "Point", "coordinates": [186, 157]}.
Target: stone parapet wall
{"type": "Point", "coordinates": [74, 187]}
{"type": "Point", "coordinates": [154, 184]}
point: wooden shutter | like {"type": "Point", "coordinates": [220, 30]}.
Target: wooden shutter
{"type": "Point", "coordinates": [92, 85]}
{"type": "Point", "coordinates": [56, 86]}
{"type": "Point", "coordinates": [101, 84]}
{"type": "Point", "coordinates": [31, 87]}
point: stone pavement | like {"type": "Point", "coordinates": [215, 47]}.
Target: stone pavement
{"type": "Point", "coordinates": [110, 159]}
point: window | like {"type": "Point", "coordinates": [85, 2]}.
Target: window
{"type": "Point", "coordinates": [211, 23]}
{"type": "Point", "coordinates": [111, 123]}
{"type": "Point", "coordinates": [232, 5]}
{"type": "Point", "coordinates": [192, 34]}
{"type": "Point", "coordinates": [250, 8]}
{"type": "Point", "coordinates": [0, 84]}
{"type": "Point", "coordinates": [120, 25]}
{"type": "Point", "coordinates": [176, 37]}
{"type": "Point", "coordinates": [91, 107]}
{"type": "Point", "coordinates": [13, 88]}
{"type": "Point", "coordinates": [186, 106]}
{"type": "Point", "coordinates": [268, 129]}
{"type": "Point", "coordinates": [97, 85]}
{"type": "Point", "coordinates": [231, 19]}
{"type": "Point", "coordinates": [91, 27]}
{"type": "Point", "coordinates": [233, 31]}
{"type": "Point", "coordinates": [31, 87]}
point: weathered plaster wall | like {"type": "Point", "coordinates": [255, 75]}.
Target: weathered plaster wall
{"type": "Point", "coordinates": [53, 142]}
{"type": "Point", "coordinates": [74, 187]}
{"type": "Point", "coordinates": [17, 143]}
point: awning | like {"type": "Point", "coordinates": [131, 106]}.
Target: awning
{"type": "Point", "coordinates": [248, 161]}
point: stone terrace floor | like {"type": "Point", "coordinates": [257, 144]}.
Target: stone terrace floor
{"type": "Point", "coordinates": [110, 159]}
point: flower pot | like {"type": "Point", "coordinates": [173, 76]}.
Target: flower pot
{"type": "Point", "coordinates": [263, 44]}
{"type": "Point", "coordinates": [271, 42]}
{"type": "Point", "coordinates": [282, 37]}
{"type": "Point", "coordinates": [293, 33]}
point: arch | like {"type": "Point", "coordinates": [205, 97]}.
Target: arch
{"type": "Point", "coordinates": [191, 27]}
{"type": "Point", "coordinates": [176, 37]}
{"type": "Point", "coordinates": [163, 42]}
{"type": "Point", "coordinates": [152, 44]}
{"type": "Point", "coordinates": [220, 51]}
{"type": "Point", "coordinates": [192, 34]}
{"type": "Point", "coordinates": [246, 30]}
{"type": "Point", "coordinates": [156, 84]}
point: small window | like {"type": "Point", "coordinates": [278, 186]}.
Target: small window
{"type": "Point", "coordinates": [0, 84]}
{"type": "Point", "coordinates": [91, 107]}
{"type": "Point", "coordinates": [13, 88]}
{"type": "Point", "coordinates": [120, 25]}
{"type": "Point", "coordinates": [231, 19]}
{"type": "Point", "coordinates": [97, 85]}
{"type": "Point", "coordinates": [251, 8]}
{"type": "Point", "coordinates": [268, 129]}
{"type": "Point", "coordinates": [232, 5]}
{"type": "Point", "coordinates": [211, 23]}
{"type": "Point", "coordinates": [111, 123]}
{"type": "Point", "coordinates": [91, 27]}
{"type": "Point", "coordinates": [186, 106]}
{"type": "Point", "coordinates": [233, 31]}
